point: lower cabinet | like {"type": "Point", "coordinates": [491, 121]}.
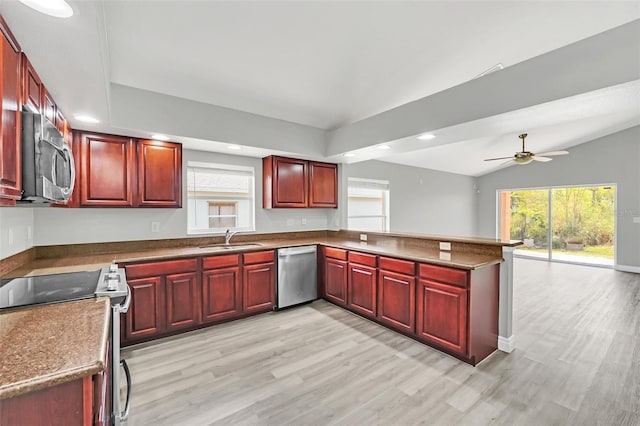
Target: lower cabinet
{"type": "Point", "coordinates": [67, 404]}
{"type": "Point", "coordinates": [183, 300]}
{"type": "Point", "coordinates": [258, 282]}
{"type": "Point", "coordinates": [442, 315]}
{"type": "Point", "coordinates": [335, 281]}
{"type": "Point", "coordinates": [221, 288]}
{"type": "Point", "coordinates": [146, 314]}
{"type": "Point", "coordinates": [361, 285]}
{"type": "Point", "coordinates": [396, 300]}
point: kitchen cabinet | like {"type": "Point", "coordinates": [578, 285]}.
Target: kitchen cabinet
{"type": "Point", "coordinates": [48, 105]}
{"type": "Point", "coordinates": [107, 170]}
{"type": "Point", "coordinates": [116, 171]}
{"type": "Point", "coordinates": [362, 284]}
{"type": "Point", "coordinates": [164, 297]}
{"type": "Point", "coordinates": [396, 294]}
{"type": "Point", "coordinates": [159, 174]}
{"type": "Point", "coordinates": [31, 87]}
{"type": "Point", "coordinates": [221, 288]}
{"type": "Point", "coordinates": [295, 183]}
{"type": "Point", "coordinates": [183, 297]}
{"type": "Point", "coordinates": [67, 404]}
{"type": "Point", "coordinates": [258, 281]}
{"type": "Point", "coordinates": [323, 185]}
{"type": "Point", "coordinates": [335, 275]}
{"type": "Point", "coordinates": [442, 315]}
{"type": "Point", "coordinates": [10, 119]}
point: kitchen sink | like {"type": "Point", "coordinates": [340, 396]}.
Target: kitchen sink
{"type": "Point", "coordinates": [237, 246]}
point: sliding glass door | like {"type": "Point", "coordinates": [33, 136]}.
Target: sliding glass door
{"type": "Point", "coordinates": [567, 224]}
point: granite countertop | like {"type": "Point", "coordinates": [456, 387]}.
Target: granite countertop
{"type": "Point", "coordinates": [390, 247]}
{"type": "Point", "coordinates": [43, 346]}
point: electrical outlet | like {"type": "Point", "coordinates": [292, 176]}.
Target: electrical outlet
{"type": "Point", "coordinates": [363, 237]}
{"type": "Point", "coordinates": [29, 233]}
{"type": "Point", "coordinates": [445, 246]}
{"type": "Point", "coordinates": [155, 227]}
{"type": "Point", "coordinates": [445, 255]}
{"type": "Point", "coordinates": [10, 236]}
{"type": "Point", "coordinates": [304, 220]}
{"type": "Point", "coordinates": [291, 222]}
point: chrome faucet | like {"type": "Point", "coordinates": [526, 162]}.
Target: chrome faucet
{"type": "Point", "coordinates": [228, 235]}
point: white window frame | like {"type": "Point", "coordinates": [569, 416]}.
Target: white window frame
{"type": "Point", "coordinates": [382, 185]}
{"type": "Point", "coordinates": [221, 198]}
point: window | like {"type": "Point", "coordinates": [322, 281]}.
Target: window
{"type": "Point", "coordinates": [220, 197]}
{"type": "Point", "coordinates": [368, 205]}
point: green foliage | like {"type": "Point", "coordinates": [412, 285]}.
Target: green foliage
{"type": "Point", "coordinates": [579, 214]}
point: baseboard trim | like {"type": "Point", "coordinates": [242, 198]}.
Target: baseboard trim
{"type": "Point", "coordinates": [626, 268]}
{"type": "Point", "coordinates": [506, 344]}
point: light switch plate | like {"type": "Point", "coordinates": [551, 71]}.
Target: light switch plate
{"type": "Point", "coordinates": [363, 237]}
{"type": "Point", "coordinates": [155, 226]}
{"type": "Point", "coordinates": [445, 246]}
{"type": "Point", "coordinates": [291, 222]}
{"type": "Point", "coordinates": [445, 255]}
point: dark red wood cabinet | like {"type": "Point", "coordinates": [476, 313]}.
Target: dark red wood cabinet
{"type": "Point", "coordinates": [442, 315]}
{"type": "Point", "coordinates": [221, 288]}
{"type": "Point", "coordinates": [183, 300]}
{"type": "Point", "coordinates": [362, 283]}
{"type": "Point", "coordinates": [396, 300]}
{"type": "Point", "coordinates": [294, 183]}
{"type": "Point", "coordinates": [107, 170]}
{"type": "Point", "coordinates": [48, 105]}
{"type": "Point", "coordinates": [258, 281]}
{"type": "Point", "coordinates": [323, 184]}
{"type": "Point", "coordinates": [159, 174]}
{"type": "Point", "coordinates": [335, 281]}
{"type": "Point", "coordinates": [31, 87]}
{"type": "Point", "coordinates": [146, 314]}
{"type": "Point", "coordinates": [10, 120]}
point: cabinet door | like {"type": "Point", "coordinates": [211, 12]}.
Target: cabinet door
{"type": "Point", "coordinates": [146, 313]}
{"type": "Point", "coordinates": [182, 298]}
{"type": "Point", "coordinates": [159, 174]}
{"type": "Point", "coordinates": [442, 315]}
{"type": "Point", "coordinates": [290, 182]}
{"type": "Point", "coordinates": [10, 124]}
{"type": "Point", "coordinates": [323, 184]}
{"type": "Point", "coordinates": [396, 300]}
{"type": "Point", "coordinates": [107, 165]}
{"type": "Point", "coordinates": [31, 87]}
{"type": "Point", "coordinates": [258, 287]}
{"type": "Point", "coordinates": [48, 105]}
{"type": "Point", "coordinates": [221, 294]}
{"type": "Point", "coordinates": [362, 289]}
{"type": "Point", "coordinates": [335, 281]}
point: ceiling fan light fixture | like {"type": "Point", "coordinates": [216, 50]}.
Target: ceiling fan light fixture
{"type": "Point", "coordinates": [55, 8]}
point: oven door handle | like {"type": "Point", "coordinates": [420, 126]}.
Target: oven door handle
{"type": "Point", "coordinates": [127, 302]}
{"type": "Point", "coordinates": [125, 414]}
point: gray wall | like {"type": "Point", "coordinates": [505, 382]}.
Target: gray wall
{"type": "Point", "coordinates": [611, 159]}
{"type": "Point", "coordinates": [421, 201]}
{"type": "Point", "coordinates": [17, 221]}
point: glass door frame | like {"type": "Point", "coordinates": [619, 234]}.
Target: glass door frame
{"type": "Point", "coordinates": [500, 210]}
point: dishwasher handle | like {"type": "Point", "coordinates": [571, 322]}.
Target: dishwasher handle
{"type": "Point", "coordinates": [293, 251]}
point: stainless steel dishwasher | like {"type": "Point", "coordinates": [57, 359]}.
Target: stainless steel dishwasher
{"type": "Point", "coordinates": [297, 276]}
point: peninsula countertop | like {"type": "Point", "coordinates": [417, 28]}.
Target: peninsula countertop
{"type": "Point", "coordinates": [46, 345]}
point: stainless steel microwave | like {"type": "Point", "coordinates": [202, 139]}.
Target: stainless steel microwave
{"type": "Point", "coordinates": [48, 168]}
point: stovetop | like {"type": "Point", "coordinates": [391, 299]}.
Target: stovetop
{"type": "Point", "coordinates": [26, 291]}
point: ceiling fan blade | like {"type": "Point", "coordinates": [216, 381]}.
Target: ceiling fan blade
{"type": "Point", "coordinates": [500, 158]}
{"type": "Point", "coordinates": [541, 159]}
{"type": "Point", "coordinates": [552, 153]}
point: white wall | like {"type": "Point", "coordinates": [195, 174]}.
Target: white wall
{"type": "Point", "coordinates": [611, 159]}
{"type": "Point", "coordinates": [421, 201]}
{"type": "Point", "coordinates": [67, 226]}
{"type": "Point", "coordinates": [16, 230]}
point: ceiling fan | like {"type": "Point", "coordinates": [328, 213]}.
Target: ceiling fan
{"type": "Point", "coordinates": [525, 157]}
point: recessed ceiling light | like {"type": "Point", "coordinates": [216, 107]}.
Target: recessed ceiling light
{"type": "Point", "coordinates": [86, 118]}
{"type": "Point", "coordinates": [349, 154]}
{"type": "Point", "coordinates": [234, 147]}
{"type": "Point", "coordinates": [160, 137]}
{"type": "Point", "coordinates": [426, 137]}
{"type": "Point", "coordinates": [383, 147]}
{"type": "Point", "coordinates": [56, 8]}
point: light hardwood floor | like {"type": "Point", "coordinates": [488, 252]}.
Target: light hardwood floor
{"type": "Point", "coordinates": [577, 361]}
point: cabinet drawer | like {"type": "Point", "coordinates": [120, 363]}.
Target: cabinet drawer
{"type": "Point", "coordinates": [396, 265]}
{"type": "Point", "coordinates": [362, 259]}
{"type": "Point", "coordinates": [448, 275]}
{"type": "Point", "coordinates": [258, 257]}
{"type": "Point", "coordinates": [335, 253]}
{"type": "Point", "coordinates": [161, 268]}
{"type": "Point", "coordinates": [212, 262]}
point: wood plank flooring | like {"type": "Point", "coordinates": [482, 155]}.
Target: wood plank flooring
{"type": "Point", "coordinates": [577, 361]}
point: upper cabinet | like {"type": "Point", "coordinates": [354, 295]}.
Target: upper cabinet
{"type": "Point", "coordinates": [49, 109]}
{"type": "Point", "coordinates": [117, 171]}
{"type": "Point", "coordinates": [10, 128]}
{"type": "Point", "coordinates": [31, 87]}
{"type": "Point", "coordinates": [159, 174]}
{"type": "Point", "coordinates": [294, 183]}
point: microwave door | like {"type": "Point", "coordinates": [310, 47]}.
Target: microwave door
{"type": "Point", "coordinates": [56, 170]}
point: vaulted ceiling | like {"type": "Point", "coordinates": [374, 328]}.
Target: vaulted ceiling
{"type": "Point", "coordinates": [319, 64]}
